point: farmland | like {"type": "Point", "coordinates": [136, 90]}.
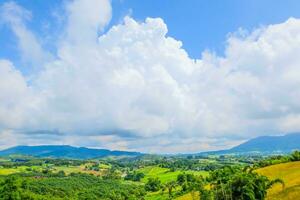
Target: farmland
{"type": "Point", "coordinates": [153, 177]}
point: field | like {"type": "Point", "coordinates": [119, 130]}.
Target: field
{"type": "Point", "coordinates": [7, 171]}
{"type": "Point", "coordinates": [164, 174]}
{"type": "Point", "coordinates": [189, 196]}
{"type": "Point", "coordinates": [46, 180]}
{"type": "Point", "coordinates": [67, 169]}
{"type": "Point", "coordinates": [290, 174]}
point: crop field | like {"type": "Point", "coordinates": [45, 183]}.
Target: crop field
{"type": "Point", "coordinates": [67, 169]}
{"type": "Point", "coordinates": [290, 174]}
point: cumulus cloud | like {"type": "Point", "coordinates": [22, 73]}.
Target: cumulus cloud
{"type": "Point", "coordinates": [136, 88]}
{"type": "Point", "coordinates": [86, 19]}
{"type": "Point", "coordinates": [15, 96]}
{"type": "Point", "coordinates": [16, 17]}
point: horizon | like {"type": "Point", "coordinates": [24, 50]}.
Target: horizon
{"type": "Point", "coordinates": [152, 77]}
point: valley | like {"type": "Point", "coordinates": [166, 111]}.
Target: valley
{"type": "Point", "coordinates": [149, 177]}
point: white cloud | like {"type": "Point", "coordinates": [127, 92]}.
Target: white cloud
{"type": "Point", "coordinates": [85, 20]}
{"type": "Point", "coordinates": [15, 96]}
{"type": "Point", "coordinates": [31, 49]}
{"type": "Point", "coordinates": [135, 88]}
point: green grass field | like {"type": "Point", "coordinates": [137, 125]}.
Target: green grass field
{"type": "Point", "coordinates": [7, 171]}
{"type": "Point", "coordinates": [290, 174]}
{"type": "Point", "coordinates": [164, 174]}
{"type": "Point", "coordinates": [55, 169]}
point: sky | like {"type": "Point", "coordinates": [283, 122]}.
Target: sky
{"type": "Point", "coordinates": [150, 76]}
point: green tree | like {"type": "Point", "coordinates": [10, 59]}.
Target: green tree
{"type": "Point", "coordinates": [170, 186]}
{"type": "Point", "coordinates": [11, 189]}
{"type": "Point", "coordinates": [235, 184]}
{"type": "Point", "coordinates": [153, 185]}
{"type": "Point", "coordinates": [295, 156]}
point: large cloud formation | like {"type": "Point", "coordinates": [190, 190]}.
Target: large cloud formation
{"type": "Point", "coordinates": [136, 88]}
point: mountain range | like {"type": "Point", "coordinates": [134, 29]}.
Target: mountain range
{"type": "Point", "coordinates": [260, 145]}
{"type": "Point", "coordinates": [265, 145]}
{"type": "Point", "coordinates": [64, 151]}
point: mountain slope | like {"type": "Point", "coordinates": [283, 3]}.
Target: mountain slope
{"type": "Point", "coordinates": [64, 151]}
{"type": "Point", "coordinates": [286, 143]}
{"type": "Point", "coordinates": [263, 145]}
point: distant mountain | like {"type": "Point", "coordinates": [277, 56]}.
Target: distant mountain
{"type": "Point", "coordinates": [64, 151]}
{"type": "Point", "coordinates": [265, 145]}
{"type": "Point", "coordinates": [284, 143]}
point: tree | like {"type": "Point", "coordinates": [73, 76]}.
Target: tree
{"type": "Point", "coordinates": [181, 179]}
{"type": "Point", "coordinates": [15, 188]}
{"type": "Point", "coordinates": [11, 189]}
{"type": "Point", "coordinates": [235, 184]}
{"type": "Point", "coordinates": [134, 176]}
{"type": "Point", "coordinates": [295, 156]}
{"type": "Point", "coordinates": [153, 185]}
{"type": "Point", "coordinates": [170, 186]}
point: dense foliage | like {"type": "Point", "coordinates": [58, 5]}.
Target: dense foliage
{"type": "Point", "coordinates": [239, 184]}
{"type": "Point", "coordinates": [74, 186]}
{"type": "Point", "coordinates": [273, 160]}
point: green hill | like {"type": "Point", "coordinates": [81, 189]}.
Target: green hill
{"type": "Point", "coordinates": [64, 151]}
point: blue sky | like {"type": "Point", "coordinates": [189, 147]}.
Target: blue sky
{"type": "Point", "coordinates": [200, 25]}
{"type": "Point", "coordinates": [151, 76]}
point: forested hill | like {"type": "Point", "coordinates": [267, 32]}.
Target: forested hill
{"type": "Point", "coordinates": [265, 145]}
{"type": "Point", "coordinates": [64, 151]}
{"type": "Point", "coordinates": [286, 143]}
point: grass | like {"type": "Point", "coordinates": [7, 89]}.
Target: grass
{"type": "Point", "coordinates": [290, 174]}
{"type": "Point", "coordinates": [189, 196]}
{"type": "Point", "coordinates": [8, 171]}
{"type": "Point", "coordinates": [156, 196]}
{"type": "Point", "coordinates": [55, 169]}
{"type": "Point", "coordinates": [164, 174]}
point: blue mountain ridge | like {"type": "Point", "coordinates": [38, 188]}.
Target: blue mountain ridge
{"type": "Point", "coordinates": [261, 145]}
{"type": "Point", "coordinates": [264, 145]}
{"type": "Point", "coordinates": [64, 151]}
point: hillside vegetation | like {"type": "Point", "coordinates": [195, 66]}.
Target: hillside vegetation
{"type": "Point", "coordinates": [151, 178]}
{"type": "Point", "coordinates": [165, 175]}
{"type": "Point", "coordinates": [290, 174]}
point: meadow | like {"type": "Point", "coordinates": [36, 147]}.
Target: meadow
{"type": "Point", "coordinates": [165, 175]}
{"type": "Point", "coordinates": [290, 174]}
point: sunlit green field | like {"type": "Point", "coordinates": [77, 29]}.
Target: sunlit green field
{"type": "Point", "coordinates": [290, 174]}
{"type": "Point", "coordinates": [7, 171]}
{"type": "Point", "coordinates": [164, 174]}
{"type": "Point", "coordinates": [55, 169]}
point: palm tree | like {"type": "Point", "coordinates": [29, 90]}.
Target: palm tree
{"type": "Point", "coordinates": [234, 184]}
{"type": "Point", "coordinates": [170, 186]}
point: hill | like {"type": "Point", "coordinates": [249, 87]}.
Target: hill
{"type": "Point", "coordinates": [286, 143]}
{"type": "Point", "coordinates": [264, 145]}
{"type": "Point", "coordinates": [290, 174]}
{"type": "Point", "coordinates": [64, 151]}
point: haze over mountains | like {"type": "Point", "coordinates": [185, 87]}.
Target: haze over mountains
{"type": "Point", "coordinates": [64, 151]}
{"type": "Point", "coordinates": [263, 145]}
